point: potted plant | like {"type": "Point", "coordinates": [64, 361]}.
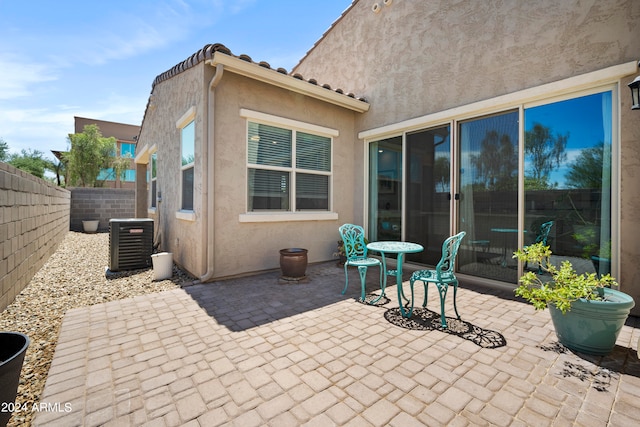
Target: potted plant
{"type": "Point", "coordinates": [341, 253]}
{"type": "Point", "coordinates": [586, 311]}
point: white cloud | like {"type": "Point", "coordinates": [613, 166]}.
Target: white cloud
{"type": "Point", "coordinates": [36, 129]}
{"type": "Point", "coordinates": [116, 108]}
{"type": "Point", "coordinates": [239, 6]}
{"type": "Point", "coordinates": [17, 78]}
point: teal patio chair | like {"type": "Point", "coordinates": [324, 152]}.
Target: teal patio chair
{"type": "Point", "coordinates": [542, 237]}
{"type": "Point", "coordinates": [443, 276]}
{"type": "Point", "coordinates": [356, 251]}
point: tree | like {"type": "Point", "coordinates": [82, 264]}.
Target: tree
{"type": "Point", "coordinates": [90, 153]}
{"type": "Point", "coordinates": [442, 171]}
{"type": "Point", "coordinates": [546, 151]}
{"type": "Point", "coordinates": [60, 169]}
{"type": "Point", "coordinates": [4, 150]}
{"type": "Point", "coordinates": [586, 169]}
{"type": "Point", "coordinates": [497, 163]}
{"type": "Point", "coordinates": [31, 161]}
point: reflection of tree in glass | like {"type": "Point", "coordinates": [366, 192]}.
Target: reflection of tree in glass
{"type": "Point", "coordinates": [441, 171]}
{"type": "Point", "coordinates": [497, 163]}
{"type": "Point", "coordinates": [187, 160]}
{"type": "Point", "coordinates": [545, 152]}
{"type": "Point", "coordinates": [586, 169]}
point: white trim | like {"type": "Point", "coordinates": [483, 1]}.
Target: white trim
{"type": "Point", "coordinates": [287, 216]}
{"type": "Point", "coordinates": [512, 100]}
{"type": "Point", "coordinates": [289, 123]}
{"type": "Point", "coordinates": [186, 118]}
{"type": "Point", "coordinates": [152, 179]}
{"type": "Point", "coordinates": [285, 81]}
{"type": "Point", "coordinates": [294, 126]}
{"type": "Point", "coordinates": [143, 155]}
{"type": "Point", "coordinates": [186, 215]}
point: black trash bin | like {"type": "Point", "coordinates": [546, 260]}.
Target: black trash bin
{"type": "Point", "coordinates": [13, 346]}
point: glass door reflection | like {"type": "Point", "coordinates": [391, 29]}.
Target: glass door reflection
{"type": "Point", "coordinates": [488, 193]}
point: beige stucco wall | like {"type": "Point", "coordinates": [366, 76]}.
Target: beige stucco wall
{"type": "Point", "coordinates": [414, 58]}
{"type": "Point", "coordinates": [629, 199]}
{"type": "Point", "coordinates": [239, 247]}
{"type": "Point", "coordinates": [419, 57]}
{"type": "Point", "coordinates": [170, 101]}
{"type": "Point", "coordinates": [242, 247]}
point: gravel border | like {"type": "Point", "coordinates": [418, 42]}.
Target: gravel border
{"type": "Point", "coordinates": [74, 276]}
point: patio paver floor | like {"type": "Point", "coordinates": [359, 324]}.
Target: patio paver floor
{"type": "Point", "coordinates": [253, 352]}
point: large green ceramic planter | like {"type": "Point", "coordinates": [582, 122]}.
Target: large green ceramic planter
{"type": "Point", "coordinates": [592, 327]}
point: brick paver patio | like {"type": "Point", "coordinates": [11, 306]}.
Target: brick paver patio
{"type": "Point", "coordinates": [253, 352]}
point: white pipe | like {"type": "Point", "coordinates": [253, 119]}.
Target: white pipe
{"type": "Point", "coordinates": [207, 193]}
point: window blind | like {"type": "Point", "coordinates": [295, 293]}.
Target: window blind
{"type": "Point", "coordinates": [313, 152]}
{"type": "Point", "coordinates": [269, 145]}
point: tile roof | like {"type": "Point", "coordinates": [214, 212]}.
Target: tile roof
{"type": "Point", "coordinates": [209, 50]}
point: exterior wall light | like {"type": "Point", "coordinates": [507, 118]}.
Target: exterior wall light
{"type": "Point", "coordinates": [635, 93]}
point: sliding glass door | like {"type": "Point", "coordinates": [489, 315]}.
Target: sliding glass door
{"type": "Point", "coordinates": [488, 195]}
{"type": "Point", "coordinates": [538, 172]}
{"type": "Point", "coordinates": [567, 179]}
{"type": "Point", "coordinates": [385, 189]}
{"type": "Point", "coordinates": [428, 192]}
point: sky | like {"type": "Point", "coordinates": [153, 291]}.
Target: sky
{"type": "Point", "coordinates": [98, 59]}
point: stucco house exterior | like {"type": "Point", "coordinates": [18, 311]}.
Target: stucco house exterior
{"type": "Point", "coordinates": [416, 119]}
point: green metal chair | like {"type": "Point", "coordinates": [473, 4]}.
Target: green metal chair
{"type": "Point", "coordinates": [542, 237]}
{"type": "Point", "coordinates": [356, 251]}
{"type": "Point", "coordinates": [443, 276]}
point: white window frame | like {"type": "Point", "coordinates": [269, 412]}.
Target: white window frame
{"type": "Point", "coordinates": [293, 125]}
{"type": "Point", "coordinates": [153, 154]}
{"type": "Point", "coordinates": [186, 119]}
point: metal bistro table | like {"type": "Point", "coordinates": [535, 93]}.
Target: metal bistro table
{"type": "Point", "coordinates": [399, 248]}
{"type": "Point", "coordinates": [505, 232]}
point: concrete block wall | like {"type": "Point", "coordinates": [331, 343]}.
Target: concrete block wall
{"type": "Point", "coordinates": [102, 204]}
{"type": "Point", "coordinates": [34, 218]}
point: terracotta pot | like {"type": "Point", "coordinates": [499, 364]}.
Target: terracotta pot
{"type": "Point", "coordinates": [293, 262]}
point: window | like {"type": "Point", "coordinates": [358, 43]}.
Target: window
{"type": "Point", "coordinates": [187, 138]}
{"type": "Point", "coordinates": [567, 175]}
{"type": "Point", "coordinates": [106, 175]}
{"type": "Point", "coordinates": [128, 175]}
{"type": "Point", "coordinates": [154, 180]}
{"type": "Point", "coordinates": [127, 149]}
{"type": "Point", "coordinates": [288, 170]}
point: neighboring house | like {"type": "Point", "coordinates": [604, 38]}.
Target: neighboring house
{"type": "Point", "coordinates": [458, 109]}
{"type": "Point", "coordinates": [125, 136]}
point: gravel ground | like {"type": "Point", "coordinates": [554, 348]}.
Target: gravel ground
{"type": "Point", "coordinates": [73, 277]}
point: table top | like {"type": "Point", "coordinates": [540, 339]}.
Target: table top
{"type": "Point", "coordinates": [395, 247]}
{"type": "Point", "coordinates": [505, 230]}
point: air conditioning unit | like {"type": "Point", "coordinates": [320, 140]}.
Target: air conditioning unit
{"type": "Point", "coordinates": [130, 243]}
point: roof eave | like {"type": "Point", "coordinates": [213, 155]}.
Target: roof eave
{"type": "Point", "coordinates": [272, 77]}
